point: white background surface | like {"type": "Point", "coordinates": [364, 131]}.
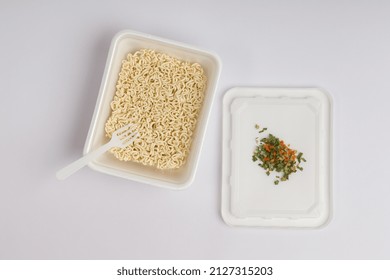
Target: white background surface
{"type": "Point", "coordinates": [51, 63]}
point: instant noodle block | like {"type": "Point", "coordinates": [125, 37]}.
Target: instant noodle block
{"type": "Point", "coordinates": [301, 117]}
{"type": "Point", "coordinates": [160, 175]}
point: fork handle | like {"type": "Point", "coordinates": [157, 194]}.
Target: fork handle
{"type": "Point", "coordinates": [80, 163]}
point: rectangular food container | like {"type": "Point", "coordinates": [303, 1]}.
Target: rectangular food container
{"type": "Point", "coordinates": [301, 117]}
{"type": "Point", "coordinates": [131, 41]}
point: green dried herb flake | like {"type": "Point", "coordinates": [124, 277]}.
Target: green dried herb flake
{"type": "Point", "coordinates": [274, 155]}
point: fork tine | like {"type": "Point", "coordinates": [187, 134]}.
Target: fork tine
{"type": "Point", "coordinates": [130, 138]}
{"type": "Point", "coordinates": [128, 135]}
{"type": "Point", "coordinates": [125, 128]}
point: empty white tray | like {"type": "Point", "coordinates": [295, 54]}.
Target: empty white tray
{"type": "Point", "coordinates": [302, 118]}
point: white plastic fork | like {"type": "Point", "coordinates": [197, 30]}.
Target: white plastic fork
{"type": "Point", "coordinates": [121, 138]}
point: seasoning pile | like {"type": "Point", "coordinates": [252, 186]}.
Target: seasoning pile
{"type": "Point", "coordinates": [274, 154]}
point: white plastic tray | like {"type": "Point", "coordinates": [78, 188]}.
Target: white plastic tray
{"type": "Point", "coordinates": [130, 41]}
{"type": "Point", "coordinates": [301, 117]}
